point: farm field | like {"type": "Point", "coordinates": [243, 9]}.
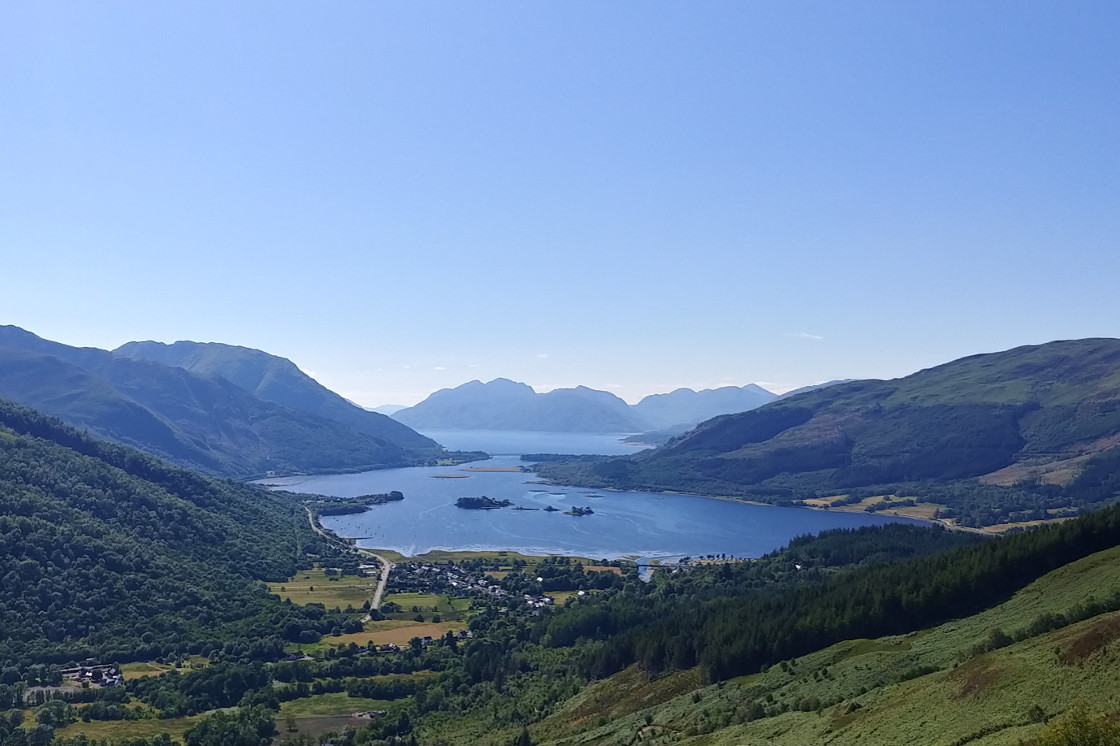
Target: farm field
{"type": "Point", "coordinates": [314, 586]}
{"type": "Point", "coordinates": [143, 669]}
{"type": "Point", "coordinates": [333, 704]}
{"type": "Point", "coordinates": [428, 604]}
{"type": "Point", "coordinates": [116, 730]}
{"type": "Point", "coordinates": [396, 631]}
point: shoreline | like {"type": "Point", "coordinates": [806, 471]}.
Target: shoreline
{"type": "Point", "coordinates": [433, 556]}
{"type": "Point", "coordinates": [947, 523]}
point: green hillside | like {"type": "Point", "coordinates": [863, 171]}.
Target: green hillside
{"type": "Point", "coordinates": [1035, 431]}
{"type": "Point", "coordinates": [107, 552]}
{"type": "Point", "coordinates": [891, 634]}
{"type": "Point", "coordinates": [991, 678]}
{"type": "Point", "coordinates": [202, 421]}
{"type": "Point", "coordinates": [274, 379]}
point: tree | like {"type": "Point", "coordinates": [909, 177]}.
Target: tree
{"type": "Point", "coordinates": [1078, 727]}
{"type": "Point", "coordinates": [40, 735]}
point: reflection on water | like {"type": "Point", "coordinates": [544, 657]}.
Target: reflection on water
{"type": "Point", "coordinates": [624, 524]}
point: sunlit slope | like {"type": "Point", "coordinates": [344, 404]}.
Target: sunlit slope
{"type": "Point", "coordinates": [1053, 407]}
{"type": "Point", "coordinates": [947, 685]}
{"type": "Point", "coordinates": [200, 421]}
{"type": "Point", "coordinates": [273, 379]}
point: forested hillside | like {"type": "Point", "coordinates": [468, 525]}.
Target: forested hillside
{"type": "Point", "coordinates": [731, 624]}
{"type": "Point", "coordinates": [108, 552]}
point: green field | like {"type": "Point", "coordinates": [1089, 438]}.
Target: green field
{"type": "Point", "coordinates": [115, 730]}
{"type": "Point", "coordinates": [313, 586]}
{"type": "Point", "coordinates": [142, 669]}
{"type": "Point", "coordinates": [396, 631]}
{"type": "Point", "coordinates": [334, 704]}
{"type": "Point", "coordinates": [455, 609]}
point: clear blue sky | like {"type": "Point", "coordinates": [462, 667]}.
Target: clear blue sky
{"type": "Point", "coordinates": [632, 196]}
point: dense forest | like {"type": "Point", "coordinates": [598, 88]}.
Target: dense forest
{"type": "Point", "coordinates": [108, 552]}
{"type": "Point", "coordinates": [735, 619]}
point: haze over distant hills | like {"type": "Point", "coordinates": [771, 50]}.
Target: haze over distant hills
{"type": "Point", "coordinates": [274, 379]}
{"type": "Point", "coordinates": [203, 419]}
{"type": "Point", "coordinates": [687, 407]}
{"type": "Point", "coordinates": [502, 404]}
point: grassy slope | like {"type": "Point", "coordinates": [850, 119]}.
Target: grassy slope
{"type": "Point", "coordinates": [985, 699]}
{"type": "Point", "coordinates": [1046, 411]}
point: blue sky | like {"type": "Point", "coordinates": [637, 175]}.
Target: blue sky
{"type": "Point", "coordinates": [633, 196]}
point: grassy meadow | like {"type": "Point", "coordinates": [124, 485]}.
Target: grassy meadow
{"type": "Point", "coordinates": [116, 730]}
{"type": "Point", "coordinates": [935, 686]}
{"type": "Point", "coordinates": [314, 586]}
{"type": "Point", "coordinates": [142, 669]}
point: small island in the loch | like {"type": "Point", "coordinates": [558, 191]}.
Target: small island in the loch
{"type": "Point", "coordinates": [481, 503]}
{"type": "Point", "coordinates": [550, 509]}
{"type": "Point", "coordinates": [577, 510]}
{"type": "Point", "coordinates": [322, 505]}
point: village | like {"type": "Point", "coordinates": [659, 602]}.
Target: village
{"type": "Point", "coordinates": [457, 582]}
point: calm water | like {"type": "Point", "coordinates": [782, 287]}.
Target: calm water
{"type": "Point", "coordinates": [625, 524]}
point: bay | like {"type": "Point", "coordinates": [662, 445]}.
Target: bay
{"type": "Point", "coordinates": [640, 525]}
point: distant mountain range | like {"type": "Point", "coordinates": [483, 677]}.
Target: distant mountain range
{"type": "Point", "coordinates": [223, 409]}
{"type": "Point", "coordinates": [387, 409]}
{"type": "Point", "coordinates": [685, 407]}
{"type": "Point", "coordinates": [1043, 420]}
{"type": "Point", "coordinates": [502, 404]}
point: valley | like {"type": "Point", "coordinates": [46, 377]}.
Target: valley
{"type": "Point", "coordinates": [702, 373]}
{"type": "Point", "coordinates": [363, 608]}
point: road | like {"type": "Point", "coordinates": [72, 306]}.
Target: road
{"type": "Point", "coordinates": [386, 565]}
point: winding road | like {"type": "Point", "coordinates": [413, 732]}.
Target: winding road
{"type": "Point", "coordinates": [386, 565]}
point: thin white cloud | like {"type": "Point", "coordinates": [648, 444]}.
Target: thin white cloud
{"type": "Point", "coordinates": [807, 335]}
{"type": "Point", "coordinates": [542, 355]}
{"type": "Point", "coordinates": [775, 387]}
{"type": "Point", "coordinates": [439, 367]}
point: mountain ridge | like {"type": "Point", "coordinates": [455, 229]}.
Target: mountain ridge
{"type": "Point", "coordinates": [202, 421]}
{"type": "Point", "coordinates": [685, 406]}
{"type": "Point", "coordinates": [502, 404]}
{"type": "Point", "coordinates": [275, 379]}
{"type": "Point", "coordinates": [1036, 406]}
